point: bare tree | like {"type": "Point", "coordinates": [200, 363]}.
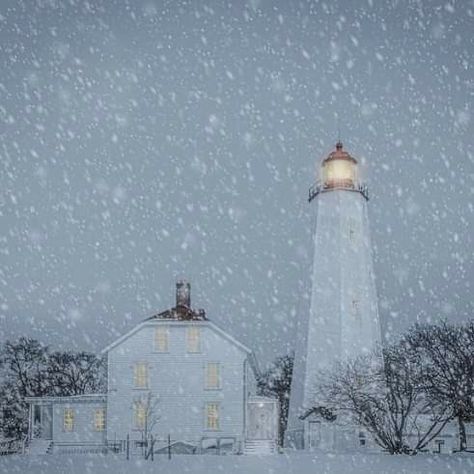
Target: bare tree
{"type": "Point", "coordinates": [23, 374]}
{"type": "Point", "coordinates": [72, 373]}
{"type": "Point", "coordinates": [381, 393]}
{"type": "Point", "coordinates": [149, 410]}
{"type": "Point", "coordinates": [447, 352]}
{"type": "Point", "coordinates": [29, 369]}
{"type": "Point", "coordinates": [276, 381]}
{"type": "Point", "coordinates": [24, 364]}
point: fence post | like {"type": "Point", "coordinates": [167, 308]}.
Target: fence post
{"type": "Point", "coordinates": [152, 448]}
{"type": "Point", "coordinates": [128, 447]}
{"type": "Point", "coordinates": [169, 446]}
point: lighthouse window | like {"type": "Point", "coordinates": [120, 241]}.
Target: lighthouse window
{"type": "Point", "coordinates": [352, 229]}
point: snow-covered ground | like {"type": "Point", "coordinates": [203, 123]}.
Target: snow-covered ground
{"type": "Point", "coordinates": [294, 463]}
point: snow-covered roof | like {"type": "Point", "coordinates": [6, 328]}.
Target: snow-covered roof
{"type": "Point", "coordinates": [181, 313]}
{"type": "Point", "coordinates": [87, 397]}
{"type": "Point", "coordinates": [261, 399]}
{"type": "Point", "coordinates": [152, 322]}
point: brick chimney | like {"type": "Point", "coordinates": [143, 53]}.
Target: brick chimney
{"type": "Point", "coordinates": [183, 294]}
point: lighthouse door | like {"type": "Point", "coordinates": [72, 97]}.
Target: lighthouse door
{"type": "Point", "coordinates": [314, 434]}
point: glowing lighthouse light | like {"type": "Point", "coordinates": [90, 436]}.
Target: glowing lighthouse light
{"type": "Point", "coordinates": [339, 169]}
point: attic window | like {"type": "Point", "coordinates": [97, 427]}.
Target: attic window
{"type": "Point", "coordinates": [161, 339]}
{"type": "Point", "coordinates": [193, 339]}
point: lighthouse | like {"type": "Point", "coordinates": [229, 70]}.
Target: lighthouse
{"type": "Point", "coordinates": [343, 319]}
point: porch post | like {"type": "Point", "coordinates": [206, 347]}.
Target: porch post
{"type": "Point", "coordinates": [30, 421]}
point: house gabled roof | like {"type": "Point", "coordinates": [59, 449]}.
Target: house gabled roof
{"type": "Point", "coordinates": [154, 320]}
{"type": "Point", "coordinates": [181, 313]}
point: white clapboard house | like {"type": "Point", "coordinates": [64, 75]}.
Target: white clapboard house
{"type": "Point", "coordinates": [175, 376]}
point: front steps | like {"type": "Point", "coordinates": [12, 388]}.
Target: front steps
{"type": "Point", "coordinates": [260, 447]}
{"type": "Point", "coordinates": [39, 446]}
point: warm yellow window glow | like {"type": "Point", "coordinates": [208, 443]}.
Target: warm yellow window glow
{"type": "Point", "coordinates": [99, 419]}
{"type": "Point", "coordinates": [68, 419]}
{"type": "Point", "coordinates": [212, 416]}
{"type": "Point", "coordinates": [339, 171]}
{"type": "Point", "coordinates": [213, 375]}
{"type": "Point", "coordinates": [161, 339]}
{"type": "Point", "coordinates": [140, 375]}
{"type": "Point", "coordinates": [139, 415]}
{"type": "Point", "coordinates": [193, 339]}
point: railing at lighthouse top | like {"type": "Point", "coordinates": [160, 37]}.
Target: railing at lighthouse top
{"type": "Point", "coordinates": [320, 187]}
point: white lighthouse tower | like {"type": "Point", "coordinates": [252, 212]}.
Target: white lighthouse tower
{"type": "Point", "coordinates": [343, 319]}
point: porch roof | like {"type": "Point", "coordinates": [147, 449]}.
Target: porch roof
{"type": "Point", "coordinates": [89, 397]}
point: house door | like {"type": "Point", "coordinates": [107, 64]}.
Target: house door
{"type": "Point", "coordinates": [42, 421]}
{"type": "Point", "coordinates": [261, 422]}
{"type": "Point", "coordinates": [47, 421]}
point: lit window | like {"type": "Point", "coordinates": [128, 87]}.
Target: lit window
{"type": "Point", "coordinates": [212, 416]}
{"type": "Point", "coordinates": [139, 415]}
{"type": "Point", "coordinates": [140, 375]}
{"type": "Point", "coordinates": [161, 339]}
{"type": "Point", "coordinates": [99, 419]}
{"type": "Point", "coordinates": [193, 339]}
{"type": "Point", "coordinates": [213, 375]}
{"type": "Point", "coordinates": [68, 419]}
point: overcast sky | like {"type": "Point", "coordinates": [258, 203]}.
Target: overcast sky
{"type": "Point", "coordinates": [146, 141]}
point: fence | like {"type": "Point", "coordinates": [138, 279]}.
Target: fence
{"type": "Point", "coordinates": [150, 447]}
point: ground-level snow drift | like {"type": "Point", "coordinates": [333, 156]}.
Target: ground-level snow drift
{"type": "Point", "coordinates": [294, 463]}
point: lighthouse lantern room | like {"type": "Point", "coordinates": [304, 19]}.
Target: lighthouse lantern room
{"type": "Point", "coordinates": [339, 170]}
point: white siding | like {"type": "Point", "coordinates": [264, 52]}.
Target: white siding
{"type": "Point", "coordinates": [177, 378]}
{"type": "Point", "coordinates": [84, 430]}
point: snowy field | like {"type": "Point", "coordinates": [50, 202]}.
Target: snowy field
{"type": "Point", "coordinates": [295, 463]}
